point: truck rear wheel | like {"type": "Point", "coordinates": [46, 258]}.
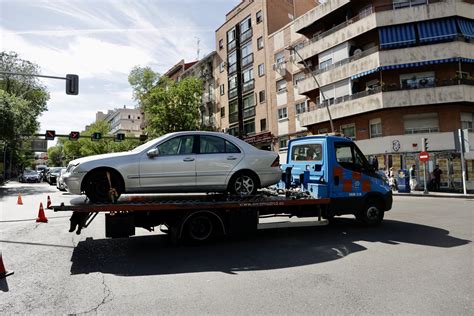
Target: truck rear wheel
{"type": "Point", "coordinates": [199, 228]}
{"type": "Point", "coordinates": [372, 214]}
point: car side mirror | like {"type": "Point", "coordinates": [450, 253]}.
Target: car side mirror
{"type": "Point", "coordinates": [152, 153]}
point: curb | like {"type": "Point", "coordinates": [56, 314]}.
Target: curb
{"type": "Point", "coordinates": [452, 196]}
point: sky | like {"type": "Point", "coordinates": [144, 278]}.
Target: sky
{"type": "Point", "coordinates": [101, 41]}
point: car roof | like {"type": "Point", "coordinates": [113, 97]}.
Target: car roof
{"type": "Point", "coordinates": [230, 138]}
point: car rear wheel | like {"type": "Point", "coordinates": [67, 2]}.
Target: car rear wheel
{"type": "Point", "coordinates": [97, 186]}
{"type": "Point", "coordinates": [243, 184]}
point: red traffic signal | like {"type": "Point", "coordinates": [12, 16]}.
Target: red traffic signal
{"type": "Point", "coordinates": [74, 135]}
{"type": "Point", "coordinates": [50, 135]}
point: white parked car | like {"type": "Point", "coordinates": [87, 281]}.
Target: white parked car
{"type": "Point", "coordinates": [60, 180]}
{"type": "Point", "coordinates": [177, 162]}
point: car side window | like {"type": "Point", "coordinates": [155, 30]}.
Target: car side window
{"type": "Point", "coordinates": [182, 145]}
{"type": "Point", "coordinates": [213, 145]}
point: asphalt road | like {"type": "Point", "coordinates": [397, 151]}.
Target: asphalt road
{"type": "Point", "coordinates": [419, 261]}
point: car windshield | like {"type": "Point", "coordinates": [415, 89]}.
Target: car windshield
{"type": "Point", "coordinates": [29, 172]}
{"type": "Point", "coordinates": [147, 144]}
{"type": "Point", "coordinates": [56, 170]}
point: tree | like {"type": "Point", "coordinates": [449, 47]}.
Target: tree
{"type": "Point", "coordinates": [56, 155]}
{"type": "Point", "coordinates": [142, 80]}
{"type": "Point", "coordinates": [173, 106]}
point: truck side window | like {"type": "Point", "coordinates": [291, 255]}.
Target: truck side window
{"type": "Point", "coordinates": [350, 157]}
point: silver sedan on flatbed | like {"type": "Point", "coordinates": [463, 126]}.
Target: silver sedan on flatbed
{"type": "Point", "coordinates": [177, 162]}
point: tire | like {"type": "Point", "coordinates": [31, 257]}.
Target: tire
{"type": "Point", "coordinates": [243, 184]}
{"type": "Point", "coordinates": [199, 228]}
{"type": "Point", "coordinates": [372, 214]}
{"type": "Point", "coordinates": [97, 186]}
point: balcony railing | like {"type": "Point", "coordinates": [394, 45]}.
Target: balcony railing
{"type": "Point", "coordinates": [245, 36]}
{"type": "Point", "coordinates": [249, 112]}
{"type": "Point", "coordinates": [365, 13]}
{"type": "Point", "coordinates": [230, 46]}
{"type": "Point", "coordinates": [232, 68]}
{"type": "Point", "coordinates": [249, 85]}
{"type": "Point", "coordinates": [247, 60]}
{"type": "Point", "coordinates": [354, 57]}
{"type": "Point", "coordinates": [388, 88]}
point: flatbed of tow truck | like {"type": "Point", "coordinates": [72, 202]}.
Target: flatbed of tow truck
{"type": "Point", "coordinates": [197, 217]}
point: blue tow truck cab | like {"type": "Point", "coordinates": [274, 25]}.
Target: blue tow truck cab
{"type": "Point", "coordinates": [334, 167]}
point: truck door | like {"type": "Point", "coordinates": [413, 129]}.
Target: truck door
{"type": "Point", "coordinates": [175, 165]}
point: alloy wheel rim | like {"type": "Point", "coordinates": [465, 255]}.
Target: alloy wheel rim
{"type": "Point", "coordinates": [244, 185]}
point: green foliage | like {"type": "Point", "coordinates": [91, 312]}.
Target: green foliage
{"type": "Point", "coordinates": [55, 156]}
{"type": "Point", "coordinates": [173, 106]}
{"type": "Point", "coordinates": [142, 80]}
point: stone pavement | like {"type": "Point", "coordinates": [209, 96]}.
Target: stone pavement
{"type": "Point", "coordinates": [436, 194]}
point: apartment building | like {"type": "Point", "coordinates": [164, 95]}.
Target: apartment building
{"type": "Point", "coordinates": [392, 72]}
{"type": "Point", "coordinates": [243, 61]}
{"type": "Point", "coordinates": [204, 70]}
{"type": "Point", "coordinates": [122, 120]}
{"type": "Point", "coordinates": [175, 72]}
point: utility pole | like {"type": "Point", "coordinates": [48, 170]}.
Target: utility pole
{"type": "Point", "coordinates": [293, 49]}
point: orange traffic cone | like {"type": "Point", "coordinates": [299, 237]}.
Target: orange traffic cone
{"type": "Point", "coordinates": [48, 204]}
{"type": "Point", "coordinates": [41, 217]}
{"type": "Point", "coordinates": [3, 273]}
{"type": "Point", "coordinates": [20, 201]}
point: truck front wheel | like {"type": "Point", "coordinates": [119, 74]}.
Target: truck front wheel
{"type": "Point", "coordinates": [372, 214]}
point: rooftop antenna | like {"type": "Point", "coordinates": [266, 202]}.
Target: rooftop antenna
{"type": "Point", "coordinates": [197, 46]}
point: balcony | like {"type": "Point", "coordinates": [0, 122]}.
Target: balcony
{"type": "Point", "coordinates": [249, 85]}
{"type": "Point", "coordinates": [378, 16]}
{"type": "Point", "coordinates": [249, 112]}
{"type": "Point", "coordinates": [208, 98]}
{"type": "Point", "coordinates": [317, 13]}
{"type": "Point", "coordinates": [448, 91]}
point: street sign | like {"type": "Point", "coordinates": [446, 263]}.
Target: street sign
{"type": "Point", "coordinates": [74, 135]}
{"type": "Point", "coordinates": [40, 145]}
{"type": "Point", "coordinates": [50, 135]}
{"type": "Point", "coordinates": [424, 156]}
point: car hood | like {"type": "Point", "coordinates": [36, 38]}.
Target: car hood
{"type": "Point", "coordinates": [101, 157]}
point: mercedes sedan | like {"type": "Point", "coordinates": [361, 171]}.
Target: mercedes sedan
{"type": "Point", "coordinates": [176, 162]}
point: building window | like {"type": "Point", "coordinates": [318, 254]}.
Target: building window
{"type": "Point", "coordinates": [325, 64]}
{"type": "Point", "coordinates": [263, 125]}
{"type": "Point", "coordinates": [231, 39]}
{"type": "Point", "coordinates": [245, 29]}
{"type": "Point", "coordinates": [247, 55]}
{"type": "Point", "coordinates": [418, 80]}
{"type": "Point", "coordinates": [261, 96]}
{"type": "Point", "coordinates": [222, 66]}
{"type": "Point", "coordinates": [249, 127]}
{"type": "Point", "coordinates": [221, 44]}
{"type": "Point", "coordinates": [260, 42]}
{"type": "Point", "coordinates": [222, 111]}
{"type": "Point", "coordinates": [298, 77]}
{"type": "Point", "coordinates": [283, 142]}
{"type": "Point", "coordinates": [281, 86]}
{"type": "Point", "coordinates": [232, 62]}
{"type": "Point", "coordinates": [282, 113]}
{"type": "Point", "coordinates": [249, 106]}
{"type": "Point", "coordinates": [421, 123]}
{"type": "Point", "coordinates": [280, 57]}
{"type": "Point", "coordinates": [375, 128]}
{"type": "Point", "coordinates": [261, 70]}
{"type": "Point", "coordinates": [466, 121]}
{"type": "Point", "coordinates": [322, 131]}
{"type": "Point", "coordinates": [300, 107]}
{"type": "Point", "coordinates": [259, 16]}
{"type": "Point", "coordinates": [247, 80]}
{"type": "Point", "coordinates": [232, 86]}
{"type": "Point", "coordinates": [349, 131]}
{"type": "Point", "coordinates": [222, 89]}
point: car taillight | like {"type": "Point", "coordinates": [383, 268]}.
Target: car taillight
{"type": "Point", "coordinates": [276, 163]}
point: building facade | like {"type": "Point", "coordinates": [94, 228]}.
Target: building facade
{"type": "Point", "coordinates": [123, 120]}
{"type": "Point", "coordinates": [392, 72]}
{"type": "Point", "coordinates": [242, 86]}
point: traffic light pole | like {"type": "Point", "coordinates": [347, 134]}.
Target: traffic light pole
{"type": "Point", "coordinates": [424, 148]}
{"type": "Point", "coordinates": [72, 81]}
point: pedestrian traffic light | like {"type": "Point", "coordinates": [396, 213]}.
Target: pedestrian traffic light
{"type": "Point", "coordinates": [119, 137]}
{"type": "Point", "coordinates": [74, 135]}
{"type": "Point", "coordinates": [72, 84]}
{"type": "Point", "coordinates": [50, 135]}
{"type": "Point", "coordinates": [143, 138]}
{"type": "Point", "coordinates": [96, 136]}
{"type": "Point", "coordinates": [424, 144]}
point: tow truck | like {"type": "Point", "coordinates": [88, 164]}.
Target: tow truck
{"type": "Point", "coordinates": [324, 176]}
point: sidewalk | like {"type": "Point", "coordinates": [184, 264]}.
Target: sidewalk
{"type": "Point", "coordinates": [436, 195]}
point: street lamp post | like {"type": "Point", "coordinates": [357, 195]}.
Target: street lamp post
{"type": "Point", "coordinates": [291, 48]}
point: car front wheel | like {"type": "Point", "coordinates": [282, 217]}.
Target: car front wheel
{"type": "Point", "coordinates": [98, 188]}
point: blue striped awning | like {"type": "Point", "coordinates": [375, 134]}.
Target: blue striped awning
{"type": "Point", "coordinates": [467, 27]}
{"type": "Point", "coordinates": [365, 73]}
{"type": "Point", "coordinates": [397, 35]}
{"type": "Point", "coordinates": [437, 30]}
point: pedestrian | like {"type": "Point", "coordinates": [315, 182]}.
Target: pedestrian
{"type": "Point", "coordinates": [437, 178]}
{"type": "Point", "coordinates": [391, 179]}
{"type": "Point", "coordinates": [413, 182]}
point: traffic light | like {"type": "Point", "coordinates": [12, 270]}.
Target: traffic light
{"type": "Point", "coordinates": [50, 135]}
{"type": "Point", "coordinates": [74, 135]}
{"type": "Point", "coordinates": [143, 138]}
{"type": "Point", "coordinates": [96, 136]}
{"type": "Point", "coordinates": [72, 84]}
{"type": "Point", "coordinates": [119, 137]}
{"type": "Point", "coordinates": [424, 144]}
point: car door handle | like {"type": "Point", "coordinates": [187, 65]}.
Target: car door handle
{"type": "Point", "coordinates": [188, 159]}
{"type": "Point", "coordinates": [231, 158]}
